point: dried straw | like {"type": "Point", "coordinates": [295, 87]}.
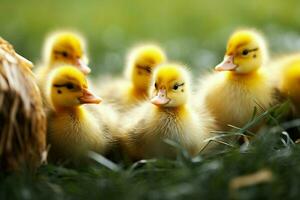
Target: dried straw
{"type": "Point", "coordinates": [22, 119]}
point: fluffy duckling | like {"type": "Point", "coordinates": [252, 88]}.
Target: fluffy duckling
{"type": "Point", "coordinates": [74, 128]}
{"type": "Point", "coordinates": [142, 60]}
{"type": "Point", "coordinates": [168, 115]}
{"type": "Point", "coordinates": [240, 83]}
{"type": "Point", "coordinates": [62, 48]}
{"type": "Point", "coordinates": [289, 81]}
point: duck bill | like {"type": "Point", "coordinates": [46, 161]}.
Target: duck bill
{"type": "Point", "coordinates": [226, 65]}
{"type": "Point", "coordinates": [161, 98]}
{"type": "Point", "coordinates": [83, 67]}
{"type": "Point", "coordinates": [89, 98]}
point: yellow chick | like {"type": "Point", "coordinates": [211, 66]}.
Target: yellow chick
{"type": "Point", "coordinates": [240, 83]}
{"type": "Point", "coordinates": [168, 115]}
{"type": "Point", "coordinates": [73, 128]}
{"type": "Point", "coordinates": [289, 81]}
{"type": "Point", "coordinates": [125, 93]}
{"type": "Point", "coordinates": [62, 48]}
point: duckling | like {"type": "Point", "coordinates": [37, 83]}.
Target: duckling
{"type": "Point", "coordinates": [74, 128]}
{"type": "Point", "coordinates": [127, 91]}
{"type": "Point", "coordinates": [168, 115]}
{"type": "Point", "coordinates": [289, 81]}
{"type": "Point", "coordinates": [240, 84]}
{"type": "Point", "coordinates": [63, 47]}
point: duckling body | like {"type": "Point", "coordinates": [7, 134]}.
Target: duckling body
{"type": "Point", "coordinates": [241, 85]}
{"type": "Point", "coordinates": [121, 94]}
{"type": "Point", "coordinates": [147, 138]}
{"type": "Point", "coordinates": [72, 133]}
{"type": "Point", "coordinates": [167, 116]}
{"type": "Point", "coordinates": [232, 98]}
{"type": "Point", "coordinates": [133, 88]}
{"type": "Point", "coordinates": [75, 128]}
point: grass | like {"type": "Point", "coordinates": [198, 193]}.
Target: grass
{"type": "Point", "coordinates": [208, 176]}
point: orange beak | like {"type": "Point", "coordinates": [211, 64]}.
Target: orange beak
{"type": "Point", "coordinates": [226, 65]}
{"type": "Point", "coordinates": [83, 66]}
{"type": "Point", "coordinates": [161, 98]}
{"type": "Point", "coordinates": [89, 98]}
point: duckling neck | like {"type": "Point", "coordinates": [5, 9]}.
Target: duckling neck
{"type": "Point", "coordinates": [54, 64]}
{"type": "Point", "coordinates": [237, 76]}
{"type": "Point", "coordinates": [77, 111]}
{"type": "Point", "coordinates": [179, 110]}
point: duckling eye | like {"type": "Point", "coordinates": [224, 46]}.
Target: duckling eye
{"type": "Point", "coordinates": [148, 69]}
{"type": "Point", "coordinates": [69, 86]}
{"type": "Point", "coordinates": [245, 52]}
{"type": "Point", "coordinates": [155, 85]}
{"type": "Point", "coordinates": [145, 68]}
{"type": "Point", "coordinates": [175, 87]}
{"type": "Point", "coordinates": [64, 54]}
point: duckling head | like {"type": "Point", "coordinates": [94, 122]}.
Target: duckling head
{"type": "Point", "coordinates": [68, 88]}
{"type": "Point", "coordinates": [66, 48]}
{"type": "Point", "coordinates": [246, 52]}
{"type": "Point", "coordinates": [170, 86]}
{"type": "Point", "coordinates": [142, 60]}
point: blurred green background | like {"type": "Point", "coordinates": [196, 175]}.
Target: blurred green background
{"type": "Point", "coordinates": [193, 32]}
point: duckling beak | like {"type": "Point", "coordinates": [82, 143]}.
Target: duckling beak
{"type": "Point", "coordinates": [161, 98]}
{"type": "Point", "coordinates": [83, 67]}
{"type": "Point", "coordinates": [226, 65]}
{"type": "Point", "coordinates": [89, 98]}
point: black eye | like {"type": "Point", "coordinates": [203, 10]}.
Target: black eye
{"type": "Point", "coordinates": [245, 52]}
{"type": "Point", "coordinates": [64, 54]}
{"type": "Point", "coordinates": [70, 86]}
{"type": "Point", "coordinates": [148, 69]}
{"type": "Point", "coordinates": [175, 87]}
{"type": "Point", "coordinates": [155, 85]}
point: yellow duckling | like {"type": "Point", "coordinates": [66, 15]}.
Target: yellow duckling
{"type": "Point", "coordinates": [62, 48]}
{"type": "Point", "coordinates": [142, 60]}
{"type": "Point", "coordinates": [289, 81]}
{"type": "Point", "coordinates": [240, 83]}
{"type": "Point", "coordinates": [168, 115]}
{"type": "Point", "coordinates": [73, 128]}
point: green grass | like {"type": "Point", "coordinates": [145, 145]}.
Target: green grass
{"type": "Point", "coordinates": [204, 177]}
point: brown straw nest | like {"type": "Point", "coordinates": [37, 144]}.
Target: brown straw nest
{"type": "Point", "coordinates": [22, 119]}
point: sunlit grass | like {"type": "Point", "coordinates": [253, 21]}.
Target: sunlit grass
{"type": "Point", "coordinates": [206, 176]}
